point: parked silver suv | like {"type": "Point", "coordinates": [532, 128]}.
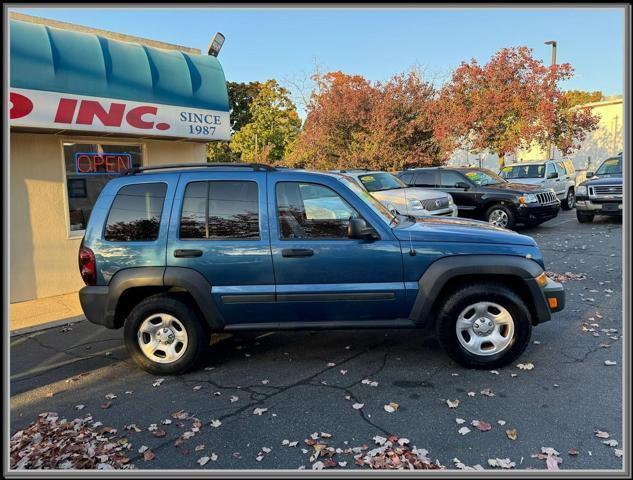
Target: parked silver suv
{"type": "Point", "coordinates": [559, 175]}
{"type": "Point", "coordinates": [398, 197]}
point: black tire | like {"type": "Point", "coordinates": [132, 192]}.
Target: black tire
{"type": "Point", "coordinates": [511, 219]}
{"type": "Point", "coordinates": [198, 336]}
{"type": "Point", "coordinates": [584, 217]}
{"type": "Point", "coordinates": [570, 200]}
{"type": "Point", "coordinates": [459, 300]}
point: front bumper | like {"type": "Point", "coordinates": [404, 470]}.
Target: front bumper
{"type": "Point", "coordinates": [555, 295]}
{"type": "Point", "coordinates": [444, 212]}
{"type": "Point", "coordinates": [534, 212]}
{"type": "Point", "coordinates": [597, 207]}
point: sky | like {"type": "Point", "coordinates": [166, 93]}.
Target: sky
{"type": "Point", "coordinates": [285, 44]}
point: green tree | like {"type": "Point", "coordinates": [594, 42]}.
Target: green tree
{"type": "Point", "coordinates": [241, 97]}
{"type": "Point", "coordinates": [273, 126]}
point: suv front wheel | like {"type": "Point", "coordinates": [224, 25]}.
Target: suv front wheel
{"type": "Point", "coordinates": [500, 216]}
{"type": "Point", "coordinates": [484, 325]}
{"type": "Point", "coordinates": [165, 335]}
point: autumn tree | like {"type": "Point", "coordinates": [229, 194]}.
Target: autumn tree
{"type": "Point", "coordinates": [510, 102]}
{"type": "Point", "coordinates": [273, 125]}
{"type": "Point", "coordinates": [241, 97]}
{"type": "Point", "coordinates": [580, 97]}
{"type": "Point", "coordinates": [353, 123]}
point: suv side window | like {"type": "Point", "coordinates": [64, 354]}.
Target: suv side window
{"type": "Point", "coordinates": [220, 210]}
{"type": "Point", "coordinates": [406, 178]}
{"type": "Point", "coordinates": [450, 179]}
{"type": "Point", "coordinates": [549, 169]}
{"type": "Point", "coordinates": [312, 211]}
{"type": "Point", "coordinates": [425, 179]}
{"type": "Point", "coordinates": [560, 168]}
{"type": "Point", "coordinates": [569, 166]}
{"type": "Point", "coordinates": [135, 213]}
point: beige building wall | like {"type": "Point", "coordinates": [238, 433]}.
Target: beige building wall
{"type": "Point", "coordinates": [43, 255]}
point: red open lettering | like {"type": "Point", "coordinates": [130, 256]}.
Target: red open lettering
{"type": "Point", "coordinates": [83, 164]}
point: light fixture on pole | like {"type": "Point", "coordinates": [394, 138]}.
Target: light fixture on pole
{"type": "Point", "coordinates": [553, 43]}
{"type": "Point", "coordinates": [216, 44]}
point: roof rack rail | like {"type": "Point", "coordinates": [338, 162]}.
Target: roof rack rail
{"type": "Point", "coordinates": [259, 167]}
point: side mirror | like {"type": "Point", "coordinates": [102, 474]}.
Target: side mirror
{"type": "Point", "coordinates": [589, 174]}
{"type": "Point", "coordinates": [358, 229]}
{"type": "Point", "coordinates": [463, 185]}
{"type": "Point", "coordinates": [552, 175]}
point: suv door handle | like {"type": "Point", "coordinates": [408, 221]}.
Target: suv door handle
{"type": "Point", "coordinates": [185, 253]}
{"type": "Point", "coordinates": [297, 252]}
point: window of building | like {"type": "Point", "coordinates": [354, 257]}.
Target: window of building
{"type": "Point", "coordinates": [89, 166]}
{"type": "Point", "coordinates": [135, 213]}
{"type": "Point", "coordinates": [220, 210]}
{"type": "Point", "coordinates": [311, 211]}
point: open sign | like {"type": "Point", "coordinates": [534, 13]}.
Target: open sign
{"type": "Point", "coordinates": [102, 163]}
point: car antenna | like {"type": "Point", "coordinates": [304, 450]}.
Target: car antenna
{"type": "Point", "coordinates": [412, 251]}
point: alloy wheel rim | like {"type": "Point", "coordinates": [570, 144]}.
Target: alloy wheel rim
{"type": "Point", "coordinates": [162, 338]}
{"type": "Point", "coordinates": [485, 328]}
{"type": "Point", "coordinates": [498, 218]}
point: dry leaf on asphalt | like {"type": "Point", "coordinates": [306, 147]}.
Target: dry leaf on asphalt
{"type": "Point", "coordinates": [601, 434]}
{"type": "Point", "coordinates": [572, 451]}
{"type": "Point", "coordinates": [149, 455]}
{"type": "Point", "coordinates": [610, 363]}
{"type": "Point", "coordinates": [203, 460]}
{"type": "Point", "coordinates": [610, 442]}
{"type": "Point", "coordinates": [106, 405]}
{"type": "Point", "coordinates": [215, 423]}
{"type": "Point", "coordinates": [463, 430]}
{"type": "Point", "coordinates": [481, 425]}
{"type": "Point", "coordinates": [459, 421]}
{"type": "Point", "coordinates": [391, 407]}
{"type": "Point", "coordinates": [259, 411]}
{"type": "Point", "coordinates": [158, 382]}
{"type": "Point", "coordinates": [234, 399]}
{"type": "Point", "coordinates": [488, 392]}
{"type": "Point", "coordinates": [159, 433]}
{"type": "Point", "coordinates": [452, 403]}
{"type": "Point", "coordinates": [525, 366]}
{"type": "Point", "coordinates": [512, 433]}
{"type": "Point", "coordinates": [504, 463]}
{"type": "Point", "coordinates": [358, 406]}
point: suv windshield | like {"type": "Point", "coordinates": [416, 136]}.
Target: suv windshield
{"type": "Point", "coordinates": [483, 177]}
{"type": "Point", "coordinates": [611, 166]}
{"type": "Point", "coordinates": [523, 171]}
{"type": "Point", "coordinates": [374, 204]}
{"type": "Point", "coordinates": [375, 182]}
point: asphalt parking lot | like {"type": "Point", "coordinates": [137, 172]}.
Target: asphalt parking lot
{"type": "Point", "coordinates": [310, 381]}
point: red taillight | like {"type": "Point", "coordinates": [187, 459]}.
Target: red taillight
{"type": "Point", "coordinates": [87, 266]}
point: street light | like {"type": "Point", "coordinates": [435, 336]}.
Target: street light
{"type": "Point", "coordinates": [550, 149]}
{"type": "Point", "coordinates": [216, 44]}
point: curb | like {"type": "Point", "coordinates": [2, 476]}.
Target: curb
{"type": "Point", "coordinates": [47, 325]}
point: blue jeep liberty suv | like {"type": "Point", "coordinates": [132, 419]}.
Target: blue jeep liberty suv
{"type": "Point", "coordinates": [174, 253]}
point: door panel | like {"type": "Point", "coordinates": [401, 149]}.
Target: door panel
{"type": "Point", "coordinates": [333, 277]}
{"type": "Point", "coordinates": [466, 200]}
{"type": "Point", "coordinates": [217, 220]}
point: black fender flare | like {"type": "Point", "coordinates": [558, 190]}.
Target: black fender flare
{"type": "Point", "coordinates": [167, 277]}
{"type": "Point", "coordinates": [440, 272]}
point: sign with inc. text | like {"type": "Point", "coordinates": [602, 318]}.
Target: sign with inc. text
{"type": "Point", "coordinates": [62, 111]}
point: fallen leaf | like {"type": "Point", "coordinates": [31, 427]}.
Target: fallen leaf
{"type": "Point", "coordinates": [512, 433]}
{"type": "Point", "coordinates": [80, 407]}
{"type": "Point", "coordinates": [203, 460]}
{"type": "Point", "coordinates": [601, 434]}
{"type": "Point", "coordinates": [259, 411]}
{"type": "Point", "coordinates": [391, 407]}
{"type": "Point", "coordinates": [234, 399]}
{"type": "Point", "coordinates": [572, 451]}
{"type": "Point", "coordinates": [106, 405]}
{"type": "Point", "coordinates": [463, 430]}
{"type": "Point", "coordinates": [358, 406]}
{"type": "Point", "coordinates": [196, 388]}
{"type": "Point", "coordinates": [501, 422]}
{"type": "Point", "coordinates": [452, 403]}
{"type": "Point", "coordinates": [149, 455]}
{"type": "Point", "coordinates": [481, 425]}
{"type": "Point", "coordinates": [215, 423]}
{"type": "Point", "coordinates": [504, 463]}
{"type": "Point", "coordinates": [552, 463]}
{"type": "Point", "coordinates": [618, 452]}
{"type": "Point", "coordinates": [199, 447]}
{"type": "Point", "coordinates": [459, 421]}
{"type": "Point", "coordinates": [471, 394]}
{"type": "Point", "coordinates": [609, 363]}
{"type": "Point", "coordinates": [525, 366]}
{"type": "Point", "coordinates": [158, 382]}
{"type": "Point", "coordinates": [611, 442]}
{"type": "Point", "coordinates": [487, 392]}
{"type": "Point", "coordinates": [159, 433]}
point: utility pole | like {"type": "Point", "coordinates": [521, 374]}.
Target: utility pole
{"type": "Point", "coordinates": [550, 147]}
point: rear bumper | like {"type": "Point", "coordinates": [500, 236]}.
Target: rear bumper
{"type": "Point", "coordinates": [94, 303]}
{"type": "Point", "coordinates": [537, 213]}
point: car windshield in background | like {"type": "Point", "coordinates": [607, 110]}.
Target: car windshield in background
{"type": "Point", "coordinates": [611, 166]}
{"type": "Point", "coordinates": [483, 178]}
{"type": "Point", "coordinates": [375, 182]}
{"type": "Point", "coordinates": [374, 204]}
{"type": "Point", "coordinates": [523, 171]}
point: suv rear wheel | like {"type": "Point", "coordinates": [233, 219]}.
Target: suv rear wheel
{"type": "Point", "coordinates": [570, 200]}
{"type": "Point", "coordinates": [165, 335]}
{"type": "Point", "coordinates": [500, 216]}
{"type": "Point", "coordinates": [584, 217]}
{"type": "Point", "coordinates": [485, 325]}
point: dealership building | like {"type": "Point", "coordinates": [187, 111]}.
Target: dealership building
{"type": "Point", "coordinates": [86, 105]}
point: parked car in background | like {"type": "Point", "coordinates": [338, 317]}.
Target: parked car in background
{"type": "Point", "coordinates": [559, 175]}
{"type": "Point", "coordinates": [601, 193]}
{"type": "Point", "coordinates": [172, 254]}
{"type": "Point", "coordinates": [482, 194]}
{"type": "Point", "coordinates": [399, 197]}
